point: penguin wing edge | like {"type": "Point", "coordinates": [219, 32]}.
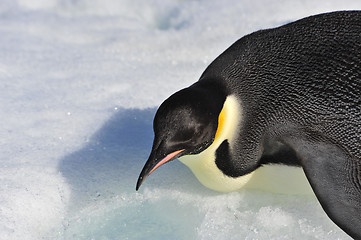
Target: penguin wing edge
{"type": "Point", "coordinates": [335, 178]}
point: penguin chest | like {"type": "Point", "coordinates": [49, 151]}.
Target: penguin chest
{"type": "Point", "coordinates": [205, 169]}
{"type": "Point", "coordinates": [277, 178]}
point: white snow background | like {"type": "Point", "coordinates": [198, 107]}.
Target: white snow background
{"type": "Point", "coordinates": [79, 85]}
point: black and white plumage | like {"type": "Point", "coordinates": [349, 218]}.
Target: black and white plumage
{"type": "Point", "coordinates": [288, 96]}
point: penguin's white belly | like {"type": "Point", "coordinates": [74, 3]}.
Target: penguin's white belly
{"type": "Point", "coordinates": [280, 179]}
{"type": "Point", "coordinates": [275, 178]}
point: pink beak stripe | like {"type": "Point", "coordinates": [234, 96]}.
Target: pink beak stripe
{"type": "Point", "coordinates": [166, 159]}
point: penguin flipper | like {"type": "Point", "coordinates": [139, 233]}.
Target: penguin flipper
{"type": "Point", "coordinates": [335, 177]}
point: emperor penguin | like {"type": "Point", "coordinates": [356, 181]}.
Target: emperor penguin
{"type": "Point", "coordinates": [287, 96]}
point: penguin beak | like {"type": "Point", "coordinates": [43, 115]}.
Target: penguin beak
{"type": "Point", "coordinates": [153, 163]}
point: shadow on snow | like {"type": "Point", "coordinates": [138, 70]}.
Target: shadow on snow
{"type": "Point", "coordinates": [111, 161]}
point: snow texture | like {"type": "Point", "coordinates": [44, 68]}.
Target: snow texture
{"type": "Point", "coordinates": [79, 85]}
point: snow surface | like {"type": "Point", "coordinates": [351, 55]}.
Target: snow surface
{"type": "Point", "coordinates": [79, 85]}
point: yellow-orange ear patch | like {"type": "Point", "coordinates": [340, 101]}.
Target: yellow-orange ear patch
{"type": "Point", "coordinates": [220, 123]}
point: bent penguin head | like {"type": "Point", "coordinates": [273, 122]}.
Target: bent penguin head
{"type": "Point", "coordinates": [185, 124]}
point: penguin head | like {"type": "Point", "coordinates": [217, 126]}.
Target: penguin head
{"type": "Point", "coordinates": [185, 124]}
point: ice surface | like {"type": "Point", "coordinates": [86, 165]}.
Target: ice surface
{"type": "Point", "coordinates": [79, 84]}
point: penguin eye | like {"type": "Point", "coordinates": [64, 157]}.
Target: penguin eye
{"type": "Point", "coordinates": [191, 134]}
{"type": "Point", "coordinates": [184, 135]}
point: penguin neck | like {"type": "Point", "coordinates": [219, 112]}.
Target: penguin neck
{"type": "Point", "coordinates": [203, 165]}
{"type": "Point", "coordinates": [270, 177]}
